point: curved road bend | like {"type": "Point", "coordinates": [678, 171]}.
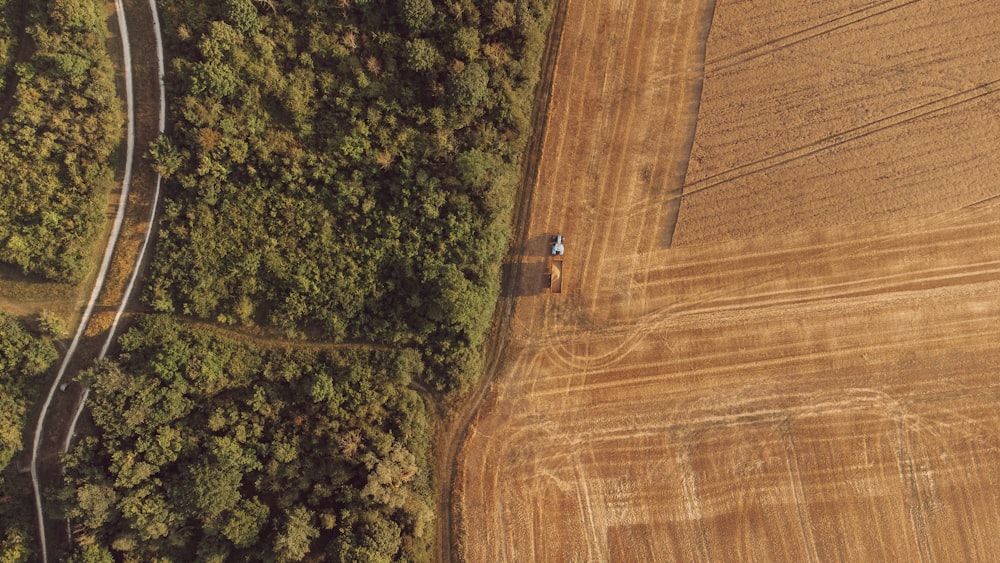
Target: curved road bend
{"type": "Point", "coordinates": [109, 251]}
{"type": "Point", "coordinates": [141, 255]}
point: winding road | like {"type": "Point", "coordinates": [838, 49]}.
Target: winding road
{"type": "Point", "coordinates": [106, 262]}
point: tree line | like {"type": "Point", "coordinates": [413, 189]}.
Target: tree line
{"type": "Point", "coordinates": [336, 171]}
{"type": "Point", "coordinates": [346, 169]}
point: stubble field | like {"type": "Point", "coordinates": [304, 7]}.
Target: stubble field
{"type": "Point", "coordinates": [797, 359]}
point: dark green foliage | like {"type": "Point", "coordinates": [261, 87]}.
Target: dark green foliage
{"type": "Point", "coordinates": [23, 360]}
{"type": "Point", "coordinates": [14, 543]}
{"type": "Point", "coordinates": [8, 39]}
{"type": "Point", "coordinates": [346, 171]}
{"type": "Point", "coordinates": [417, 15]}
{"type": "Point", "coordinates": [55, 143]}
{"type": "Point", "coordinates": [343, 171]}
{"type": "Point", "coordinates": [212, 447]}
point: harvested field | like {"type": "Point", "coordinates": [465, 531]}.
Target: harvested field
{"type": "Point", "coordinates": [797, 363]}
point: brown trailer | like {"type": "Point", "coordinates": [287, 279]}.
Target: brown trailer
{"type": "Point", "coordinates": [555, 274]}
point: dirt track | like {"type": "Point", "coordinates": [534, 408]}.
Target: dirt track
{"type": "Point", "coordinates": [808, 373]}
{"type": "Point", "coordinates": [125, 250]}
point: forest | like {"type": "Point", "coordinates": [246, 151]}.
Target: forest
{"type": "Point", "coordinates": [346, 171]}
{"type": "Point", "coordinates": [60, 122]}
{"type": "Point", "coordinates": [215, 450]}
{"type": "Point", "coordinates": [341, 175]}
{"type": "Point", "coordinates": [24, 359]}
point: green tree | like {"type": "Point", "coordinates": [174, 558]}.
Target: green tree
{"type": "Point", "coordinates": [293, 542]}
{"type": "Point", "coordinates": [417, 15]}
{"type": "Point", "coordinates": [471, 86]}
{"type": "Point", "coordinates": [245, 522]}
{"type": "Point", "coordinates": [503, 15]}
{"type": "Point", "coordinates": [422, 55]}
{"type": "Point", "coordinates": [14, 546]}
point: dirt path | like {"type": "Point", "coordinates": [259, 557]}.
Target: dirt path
{"type": "Point", "coordinates": [452, 433]}
{"type": "Point", "coordinates": [129, 238]}
{"type": "Point", "coordinates": [140, 258]}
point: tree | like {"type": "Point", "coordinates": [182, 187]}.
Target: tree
{"type": "Point", "coordinates": [244, 523]}
{"type": "Point", "coordinates": [94, 503]}
{"type": "Point", "coordinates": [503, 15]}
{"type": "Point", "coordinates": [293, 543]}
{"type": "Point", "coordinates": [14, 546]}
{"type": "Point", "coordinates": [417, 15]}
{"type": "Point", "coordinates": [421, 55]}
{"type": "Point", "coordinates": [470, 87]}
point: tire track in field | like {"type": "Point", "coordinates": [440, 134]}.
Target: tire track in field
{"type": "Point", "coordinates": [908, 479]}
{"type": "Point", "coordinates": [617, 123]}
{"type": "Point", "coordinates": [692, 504]}
{"type": "Point", "coordinates": [812, 32]}
{"type": "Point", "coordinates": [933, 236]}
{"type": "Point", "coordinates": [929, 278]}
{"type": "Point", "coordinates": [631, 334]}
{"type": "Point", "coordinates": [936, 238]}
{"type": "Point", "coordinates": [660, 370]}
{"type": "Point", "coordinates": [798, 490]}
{"type": "Point", "coordinates": [933, 107]}
{"type": "Point", "coordinates": [935, 274]}
{"type": "Point", "coordinates": [627, 337]}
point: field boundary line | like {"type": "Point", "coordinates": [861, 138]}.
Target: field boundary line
{"type": "Point", "coordinates": [453, 436]}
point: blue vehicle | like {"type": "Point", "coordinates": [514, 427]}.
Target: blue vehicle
{"type": "Point", "coordinates": [557, 246]}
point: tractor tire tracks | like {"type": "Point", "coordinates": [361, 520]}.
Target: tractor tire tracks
{"type": "Point", "coordinates": [927, 109]}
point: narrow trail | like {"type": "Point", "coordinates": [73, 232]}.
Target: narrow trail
{"type": "Point", "coordinates": [452, 434]}
{"type": "Point", "coordinates": [105, 265]}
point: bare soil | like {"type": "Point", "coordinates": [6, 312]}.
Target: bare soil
{"type": "Point", "coordinates": [800, 364]}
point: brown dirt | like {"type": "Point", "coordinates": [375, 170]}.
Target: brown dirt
{"type": "Point", "coordinates": [808, 371]}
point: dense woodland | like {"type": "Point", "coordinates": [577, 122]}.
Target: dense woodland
{"type": "Point", "coordinates": [344, 173]}
{"type": "Point", "coordinates": [60, 121]}
{"type": "Point", "coordinates": [10, 31]}
{"type": "Point", "coordinates": [219, 451]}
{"type": "Point", "coordinates": [346, 169]}
{"type": "Point", "coordinates": [24, 359]}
